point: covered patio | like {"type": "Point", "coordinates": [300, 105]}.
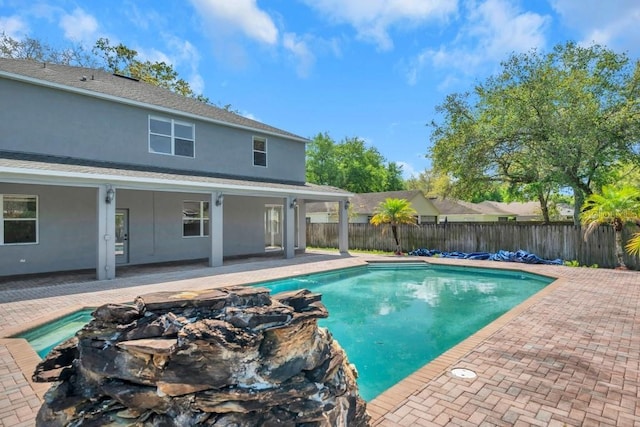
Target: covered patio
{"type": "Point", "coordinates": [103, 216]}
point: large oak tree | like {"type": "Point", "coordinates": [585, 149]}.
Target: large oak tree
{"type": "Point", "coordinates": [547, 121]}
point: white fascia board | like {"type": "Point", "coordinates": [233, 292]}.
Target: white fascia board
{"type": "Point", "coordinates": [98, 95]}
{"type": "Point", "coordinates": [48, 177]}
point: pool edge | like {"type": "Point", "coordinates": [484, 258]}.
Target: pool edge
{"type": "Point", "coordinates": [27, 359]}
{"type": "Point", "coordinates": [11, 333]}
{"type": "Point", "coordinates": [394, 396]}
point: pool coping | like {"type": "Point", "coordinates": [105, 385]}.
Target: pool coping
{"type": "Point", "coordinates": [27, 358]}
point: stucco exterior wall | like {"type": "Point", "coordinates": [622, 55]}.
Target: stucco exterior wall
{"type": "Point", "coordinates": [244, 224]}
{"type": "Point", "coordinates": [49, 121]}
{"type": "Point", "coordinates": [67, 231]}
{"type": "Point", "coordinates": [424, 207]}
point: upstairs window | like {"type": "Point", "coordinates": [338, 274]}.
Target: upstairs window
{"type": "Point", "coordinates": [259, 151]}
{"type": "Point", "coordinates": [19, 219]}
{"type": "Point", "coordinates": [167, 136]}
{"type": "Point", "coordinates": [195, 219]}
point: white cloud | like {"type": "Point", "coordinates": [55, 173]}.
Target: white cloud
{"type": "Point", "coordinates": [408, 170]}
{"type": "Point", "coordinates": [196, 83]}
{"type": "Point", "coordinates": [247, 114]}
{"type": "Point", "coordinates": [373, 19]}
{"type": "Point", "coordinates": [183, 54]}
{"type": "Point", "coordinates": [613, 24]}
{"type": "Point", "coordinates": [143, 19]}
{"type": "Point", "coordinates": [153, 55]}
{"type": "Point", "coordinates": [13, 26]}
{"type": "Point", "coordinates": [238, 16]}
{"type": "Point", "coordinates": [79, 26]}
{"type": "Point", "coordinates": [500, 28]}
{"type": "Point", "coordinates": [186, 53]}
{"type": "Point", "coordinates": [300, 52]}
{"type": "Point", "coordinates": [492, 30]}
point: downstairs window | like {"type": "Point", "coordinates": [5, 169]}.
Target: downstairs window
{"type": "Point", "coordinates": [195, 219]}
{"type": "Point", "coordinates": [19, 219]}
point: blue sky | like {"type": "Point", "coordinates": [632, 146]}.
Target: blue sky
{"type": "Point", "coordinates": [373, 69]}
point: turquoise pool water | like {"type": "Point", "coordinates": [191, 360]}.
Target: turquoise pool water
{"type": "Point", "coordinates": [45, 337]}
{"type": "Point", "coordinates": [392, 319]}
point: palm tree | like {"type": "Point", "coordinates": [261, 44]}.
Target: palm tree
{"type": "Point", "coordinates": [616, 207]}
{"type": "Point", "coordinates": [633, 245]}
{"type": "Point", "coordinates": [393, 212]}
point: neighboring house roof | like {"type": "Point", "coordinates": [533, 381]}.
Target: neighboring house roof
{"type": "Point", "coordinates": [519, 208]}
{"type": "Point", "coordinates": [64, 170]}
{"type": "Point", "coordinates": [454, 207]}
{"type": "Point", "coordinates": [459, 207]}
{"type": "Point", "coordinates": [321, 207]}
{"type": "Point", "coordinates": [99, 83]}
{"type": "Point", "coordinates": [366, 203]}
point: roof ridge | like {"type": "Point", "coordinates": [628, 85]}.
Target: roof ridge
{"type": "Point", "coordinates": [103, 82]}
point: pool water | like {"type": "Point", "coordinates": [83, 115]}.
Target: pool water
{"type": "Point", "coordinates": [45, 337]}
{"type": "Point", "coordinates": [391, 319]}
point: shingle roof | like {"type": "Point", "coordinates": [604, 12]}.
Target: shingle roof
{"type": "Point", "coordinates": [100, 82]}
{"type": "Point", "coordinates": [321, 207]}
{"type": "Point", "coordinates": [453, 207]}
{"type": "Point", "coordinates": [518, 208]}
{"type": "Point", "coordinates": [366, 203]}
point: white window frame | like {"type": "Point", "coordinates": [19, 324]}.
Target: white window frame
{"type": "Point", "coordinates": [254, 151]}
{"type": "Point", "coordinates": [3, 219]}
{"type": "Point", "coordinates": [204, 230]}
{"type": "Point", "coordinates": [172, 136]}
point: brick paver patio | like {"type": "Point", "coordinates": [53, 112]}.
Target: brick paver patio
{"type": "Point", "coordinates": [570, 355]}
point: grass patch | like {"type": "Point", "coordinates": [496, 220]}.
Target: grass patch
{"type": "Point", "coordinates": [359, 251]}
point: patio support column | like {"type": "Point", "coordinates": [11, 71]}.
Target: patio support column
{"type": "Point", "coordinates": [343, 226]}
{"type": "Point", "coordinates": [215, 232]}
{"type": "Point", "coordinates": [302, 225]}
{"type": "Point", "coordinates": [106, 207]}
{"type": "Point", "coordinates": [290, 227]}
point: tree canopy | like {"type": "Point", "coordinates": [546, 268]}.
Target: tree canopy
{"type": "Point", "coordinates": [545, 122]}
{"type": "Point", "coordinates": [123, 60]}
{"type": "Point", "coordinates": [351, 165]}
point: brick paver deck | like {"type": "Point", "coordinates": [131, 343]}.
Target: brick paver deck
{"type": "Point", "coordinates": [570, 355]}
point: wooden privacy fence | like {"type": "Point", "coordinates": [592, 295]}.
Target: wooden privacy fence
{"type": "Point", "coordinates": [564, 241]}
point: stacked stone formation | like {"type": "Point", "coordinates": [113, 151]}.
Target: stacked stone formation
{"type": "Point", "coordinates": [231, 356]}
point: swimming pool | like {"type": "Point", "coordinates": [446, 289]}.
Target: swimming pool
{"type": "Point", "coordinates": [43, 338]}
{"type": "Point", "coordinates": [393, 319]}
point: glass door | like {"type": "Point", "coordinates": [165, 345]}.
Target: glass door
{"type": "Point", "coordinates": [122, 236]}
{"type": "Point", "coordinates": [273, 227]}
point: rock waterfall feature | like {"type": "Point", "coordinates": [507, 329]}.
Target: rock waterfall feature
{"type": "Point", "coordinates": [233, 356]}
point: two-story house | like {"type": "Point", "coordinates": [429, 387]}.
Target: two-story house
{"type": "Point", "coordinates": [99, 170]}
